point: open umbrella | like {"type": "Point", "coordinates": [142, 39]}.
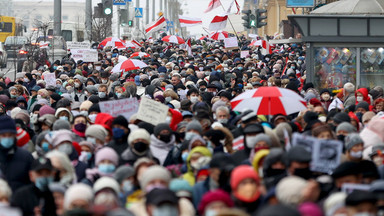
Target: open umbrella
{"type": "Point", "coordinates": [140, 54]}
{"type": "Point", "coordinates": [121, 58]}
{"type": "Point", "coordinates": [219, 35]}
{"type": "Point", "coordinates": [269, 101]}
{"type": "Point", "coordinates": [173, 39]}
{"type": "Point", "coordinates": [113, 42]}
{"type": "Point", "coordinates": [127, 65]}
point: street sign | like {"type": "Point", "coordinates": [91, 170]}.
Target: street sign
{"type": "Point", "coordinates": [170, 25]}
{"type": "Point", "coordinates": [138, 12]}
{"type": "Point", "coordinates": [118, 2]}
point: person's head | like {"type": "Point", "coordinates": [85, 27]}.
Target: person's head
{"type": "Point", "coordinates": [63, 167]}
{"type": "Point", "coordinates": [163, 132]}
{"type": "Point", "coordinates": [102, 91]}
{"type": "Point", "coordinates": [80, 123]}
{"type": "Point", "coordinates": [298, 161]}
{"type": "Point", "coordinates": [222, 114]}
{"type": "Point", "coordinates": [250, 133]}
{"type": "Point", "coordinates": [354, 146]}
{"type": "Point", "coordinates": [124, 175]}
{"type": "Point", "coordinates": [214, 201]}
{"type": "Point", "coordinates": [120, 128]}
{"type": "Point", "coordinates": [193, 128]}
{"type": "Point", "coordinates": [154, 177]}
{"type": "Point", "coordinates": [107, 192]}
{"type": "Point", "coordinates": [348, 88]}
{"type": "Point", "coordinates": [193, 95]}
{"type": "Point", "coordinates": [322, 132]}
{"type": "Point", "coordinates": [139, 141]}
{"type": "Point", "coordinates": [96, 134]}
{"type": "Point", "coordinates": [346, 172]}
{"type": "Point", "coordinates": [245, 184]}
{"type": "Point", "coordinates": [361, 203]}
{"type": "Point", "coordinates": [42, 173]}
{"type": "Point", "coordinates": [362, 107]}
{"type": "Point", "coordinates": [5, 193]}
{"type": "Point", "coordinates": [345, 128]}
{"type": "Point", "coordinates": [176, 79]}
{"type": "Point", "coordinates": [106, 160]}
{"type": "Point", "coordinates": [78, 196]}
{"type": "Point", "coordinates": [162, 201]}
{"type": "Point", "coordinates": [7, 133]}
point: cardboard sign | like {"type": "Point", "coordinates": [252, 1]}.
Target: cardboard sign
{"type": "Point", "coordinates": [230, 42]}
{"type": "Point", "coordinates": [86, 55]}
{"type": "Point", "coordinates": [78, 45]}
{"type": "Point", "coordinates": [125, 107]}
{"type": "Point", "coordinates": [244, 54]}
{"type": "Point", "coordinates": [50, 79]}
{"type": "Point", "coordinates": [326, 154]}
{"type": "Point", "coordinates": [152, 111]}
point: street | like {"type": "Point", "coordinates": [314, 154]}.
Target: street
{"type": "Point", "coordinates": [9, 71]}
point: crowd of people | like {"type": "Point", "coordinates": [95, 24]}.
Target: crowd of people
{"type": "Point", "coordinates": [60, 155]}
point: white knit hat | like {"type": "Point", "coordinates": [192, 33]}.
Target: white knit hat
{"type": "Point", "coordinates": [139, 134]}
{"type": "Point", "coordinates": [334, 202]}
{"type": "Point", "coordinates": [288, 190]}
{"type": "Point", "coordinates": [78, 191]}
{"type": "Point", "coordinates": [106, 182]}
{"type": "Point", "coordinates": [153, 173]}
{"type": "Point", "coordinates": [96, 131]}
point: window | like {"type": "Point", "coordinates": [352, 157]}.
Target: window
{"type": "Point", "coordinates": [65, 18]}
{"type": "Point", "coordinates": [80, 36]}
{"type": "Point", "coordinates": [67, 35]}
{"type": "Point", "coordinates": [371, 66]}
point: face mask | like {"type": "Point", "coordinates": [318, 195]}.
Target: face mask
{"type": "Point", "coordinates": [325, 97]}
{"type": "Point", "coordinates": [240, 68]}
{"type": "Point", "coordinates": [168, 99]}
{"type": "Point", "coordinates": [98, 68]}
{"type": "Point", "coordinates": [168, 210]}
{"type": "Point", "coordinates": [118, 133]}
{"type": "Point", "coordinates": [168, 119]}
{"type": "Point", "coordinates": [77, 85]}
{"type": "Point", "coordinates": [54, 67]}
{"type": "Point", "coordinates": [127, 186]}
{"type": "Point", "coordinates": [267, 59]}
{"type": "Point", "coordinates": [293, 67]}
{"type": "Point", "coordinates": [92, 117]}
{"type": "Point", "coordinates": [84, 113]}
{"type": "Point", "coordinates": [45, 147]}
{"type": "Point", "coordinates": [214, 93]}
{"type": "Point", "coordinates": [64, 118]}
{"type": "Point", "coordinates": [34, 118]}
{"type": "Point", "coordinates": [80, 127]}
{"type": "Point", "coordinates": [166, 137]}
{"type": "Point", "coordinates": [26, 80]}
{"type": "Point", "coordinates": [38, 97]}
{"type": "Point", "coordinates": [189, 135]}
{"type": "Point", "coordinates": [194, 99]}
{"type": "Point", "coordinates": [251, 141]}
{"type": "Point", "coordinates": [184, 156]}
{"type": "Point", "coordinates": [341, 137]}
{"type": "Point", "coordinates": [65, 148]}
{"type": "Point", "coordinates": [223, 121]}
{"type": "Point", "coordinates": [203, 89]}
{"type": "Point", "coordinates": [140, 147]}
{"type": "Point", "coordinates": [150, 187]}
{"type": "Point", "coordinates": [89, 155]}
{"type": "Point", "coordinates": [102, 94]}
{"type": "Point", "coordinates": [299, 62]}
{"type": "Point", "coordinates": [104, 81]}
{"type": "Point", "coordinates": [69, 89]}
{"type": "Point", "coordinates": [7, 142]}
{"type": "Point", "coordinates": [14, 96]}
{"type": "Point", "coordinates": [273, 172]}
{"type": "Point", "coordinates": [201, 68]}
{"type": "Point", "coordinates": [359, 98]}
{"type": "Point", "coordinates": [118, 95]}
{"type": "Point", "coordinates": [304, 173]}
{"type": "Point", "coordinates": [378, 161]}
{"type": "Point", "coordinates": [43, 182]}
{"type": "Point", "coordinates": [356, 155]}
{"type": "Point", "coordinates": [106, 168]}
{"type": "Point", "coordinates": [91, 140]}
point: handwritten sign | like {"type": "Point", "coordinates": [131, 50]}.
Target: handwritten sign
{"type": "Point", "coordinates": [230, 42]}
{"type": "Point", "coordinates": [77, 45]}
{"type": "Point", "coordinates": [244, 54]}
{"type": "Point", "coordinates": [50, 79]}
{"type": "Point", "coordinates": [86, 55]}
{"type": "Point", "coordinates": [125, 107]}
{"type": "Point", "coordinates": [152, 111]}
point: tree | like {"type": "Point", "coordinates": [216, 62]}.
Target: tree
{"type": "Point", "coordinates": [100, 29]}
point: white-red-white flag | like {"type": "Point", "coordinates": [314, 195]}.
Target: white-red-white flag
{"type": "Point", "coordinates": [212, 5]}
{"type": "Point", "coordinates": [189, 46]}
{"type": "Point", "coordinates": [150, 39]}
{"type": "Point", "coordinates": [219, 22]}
{"type": "Point", "coordinates": [44, 45]}
{"type": "Point", "coordinates": [189, 21]}
{"type": "Point", "coordinates": [136, 43]}
{"type": "Point", "coordinates": [158, 24]}
{"type": "Point", "coordinates": [237, 6]}
{"type": "Point", "coordinates": [267, 48]}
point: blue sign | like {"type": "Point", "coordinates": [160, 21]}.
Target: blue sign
{"type": "Point", "coordinates": [118, 2]}
{"type": "Point", "coordinates": [138, 12]}
{"type": "Point", "coordinates": [170, 25]}
{"type": "Point", "coordinates": [300, 3]}
{"type": "Point", "coordinates": [129, 0]}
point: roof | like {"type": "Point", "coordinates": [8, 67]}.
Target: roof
{"type": "Point", "coordinates": [352, 7]}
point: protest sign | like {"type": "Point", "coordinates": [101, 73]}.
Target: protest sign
{"type": "Point", "coordinates": [349, 187]}
{"type": "Point", "coordinates": [125, 107]}
{"type": "Point", "coordinates": [77, 45]}
{"type": "Point", "coordinates": [230, 42]}
{"type": "Point", "coordinates": [152, 111]}
{"type": "Point", "coordinates": [86, 55]}
{"type": "Point", "coordinates": [244, 54]}
{"type": "Point", "coordinates": [50, 79]}
{"type": "Point", "coordinates": [326, 154]}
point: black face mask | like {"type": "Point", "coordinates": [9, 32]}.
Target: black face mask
{"type": "Point", "coordinates": [165, 137]}
{"type": "Point", "coordinates": [273, 172]}
{"type": "Point", "coordinates": [341, 137]}
{"type": "Point", "coordinates": [140, 147]}
{"type": "Point", "coordinates": [304, 173]}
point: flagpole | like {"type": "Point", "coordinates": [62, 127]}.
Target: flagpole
{"type": "Point", "coordinates": [231, 23]}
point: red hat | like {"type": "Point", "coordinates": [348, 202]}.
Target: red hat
{"type": "Point", "coordinates": [22, 137]}
{"type": "Point", "coordinates": [315, 102]}
{"type": "Point", "coordinates": [241, 173]}
{"type": "Point", "coordinates": [213, 196]}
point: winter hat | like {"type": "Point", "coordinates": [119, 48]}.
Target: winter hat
{"type": "Point", "coordinates": [23, 115]}
{"type": "Point", "coordinates": [106, 182]}
{"type": "Point", "coordinates": [4, 99]}
{"type": "Point", "coordinates": [309, 208]}
{"type": "Point", "coordinates": [62, 109]}
{"type": "Point", "coordinates": [48, 119]}
{"type": "Point", "coordinates": [346, 126]}
{"type": "Point", "coordinates": [258, 138]}
{"type": "Point", "coordinates": [181, 187]}
{"type": "Point", "coordinates": [61, 124]}
{"type": "Point", "coordinates": [46, 110]}
{"type": "Point", "coordinates": [176, 104]}
{"type": "Point", "coordinates": [240, 173]}
{"type": "Point", "coordinates": [22, 137]}
{"type": "Point", "coordinates": [94, 108]}
{"type": "Point", "coordinates": [153, 173]}
{"type": "Point", "coordinates": [97, 131]}
{"type": "Point", "coordinates": [15, 111]}
{"type": "Point", "coordinates": [78, 191]}
{"type": "Point", "coordinates": [334, 202]}
{"type": "Point", "coordinates": [276, 210]}
{"type": "Point", "coordinates": [288, 190]}
{"type": "Point", "coordinates": [351, 140]}
{"type": "Point", "coordinates": [86, 105]}
{"type": "Point", "coordinates": [194, 125]}
{"type": "Point", "coordinates": [363, 104]}
{"type": "Point", "coordinates": [298, 153]}
{"type": "Point", "coordinates": [40, 137]}
{"type": "Point", "coordinates": [120, 120]}
{"type": "Point", "coordinates": [214, 196]}
{"type": "Point", "coordinates": [123, 172]}
{"type": "Point", "coordinates": [61, 136]}
{"type": "Point", "coordinates": [160, 127]}
{"type": "Point", "coordinates": [106, 153]}
{"type": "Point", "coordinates": [258, 157]}
{"type": "Point", "coordinates": [88, 144]}
{"type": "Point", "coordinates": [146, 126]}
{"type": "Point", "coordinates": [341, 117]}
{"type": "Point", "coordinates": [139, 134]}
{"type": "Point", "coordinates": [368, 116]}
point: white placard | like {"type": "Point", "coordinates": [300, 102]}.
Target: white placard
{"type": "Point", "coordinates": [78, 45]}
{"type": "Point", "coordinates": [230, 42]}
{"type": "Point", "coordinates": [244, 54]}
{"type": "Point", "coordinates": [152, 111]}
{"type": "Point", "coordinates": [50, 79]}
{"type": "Point", "coordinates": [125, 107]}
{"type": "Point", "coordinates": [86, 55]}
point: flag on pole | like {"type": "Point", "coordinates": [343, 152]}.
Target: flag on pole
{"type": "Point", "coordinates": [219, 22]}
{"type": "Point", "coordinates": [189, 21]}
{"type": "Point", "coordinates": [212, 5]}
{"type": "Point", "coordinates": [189, 46]}
{"type": "Point", "coordinates": [237, 6]}
{"type": "Point", "coordinates": [136, 43]}
{"type": "Point", "coordinates": [158, 24]}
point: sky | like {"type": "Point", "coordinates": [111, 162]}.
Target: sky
{"type": "Point", "coordinates": [191, 8]}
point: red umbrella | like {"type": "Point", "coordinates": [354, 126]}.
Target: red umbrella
{"type": "Point", "coordinates": [127, 65]}
{"type": "Point", "coordinates": [219, 35]}
{"type": "Point", "coordinates": [113, 42]}
{"type": "Point", "coordinates": [140, 54]}
{"type": "Point", "coordinates": [269, 101]}
{"type": "Point", "coordinates": [173, 39]}
{"type": "Point", "coordinates": [203, 38]}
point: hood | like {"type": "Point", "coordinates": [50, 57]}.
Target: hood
{"type": "Point", "coordinates": [364, 92]}
{"type": "Point", "coordinates": [155, 142]}
{"type": "Point", "coordinates": [105, 120]}
{"type": "Point", "coordinates": [199, 149]}
{"type": "Point", "coordinates": [176, 119]}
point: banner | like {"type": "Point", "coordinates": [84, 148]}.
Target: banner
{"type": "Point", "coordinates": [50, 79]}
{"type": "Point", "coordinates": [78, 45]}
{"type": "Point", "coordinates": [86, 55]}
{"type": "Point", "coordinates": [230, 42]}
{"type": "Point", "coordinates": [152, 111]}
{"type": "Point", "coordinates": [125, 107]}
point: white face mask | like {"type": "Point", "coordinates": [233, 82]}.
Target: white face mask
{"type": "Point", "coordinates": [356, 155]}
{"type": "Point", "coordinates": [359, 98]}
{"type": "Point", "coordinates": [92, 117]}
{"type": "Point", "coordinates": [77, 85]}
{"type": "Point", "coordinates": [104, 81]}
{"type": "Point", "coordinates": [194, 99]}
{"type": "Point", "coordinates": [325, 97]}
{"type": "Point", "coordinates": [251, 141]}
{"type": "Point", "coordinates": [98, 68]}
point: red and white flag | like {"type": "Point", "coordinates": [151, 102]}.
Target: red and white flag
{"type": "Point", "coordinates": [44, 45]}
{"type": "Point", "coordinates": [237, 6]}
{"type": "Point", "coordinates": [189, 21]}
{"type": "Point", "coordinates": [189, 46]}
{"type": "Point", "coordinates": [158, 24]}
{"type": "Point", "coordinates": [267, 48]}
{"type": "Point", "coordinates": [150, 39]}
{"type": "Point", "coordinates": [212, 5]}
{"type": "Point", "coordinates": [136, 43]}
{"type": "Point", "coordinates": [219, 22]}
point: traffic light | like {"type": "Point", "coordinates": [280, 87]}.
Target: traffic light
{"type": "Point", "coordinates": [246, 18]}
{"type": "Point", "coordinates": [260, 18]}
{"type": "Point", "coordinates": [252, 21]}
{"type": "Point", "coordinates": [130, 23]}
{"type": "Point", "coordinates": [107, 7]}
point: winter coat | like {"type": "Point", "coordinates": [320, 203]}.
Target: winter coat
{"type": "Point", "coordinates": [129, 157]}
{"type": "Point", "coordinates": [119, 147]}
{"type": "Point", "coordinates": [160, 149]}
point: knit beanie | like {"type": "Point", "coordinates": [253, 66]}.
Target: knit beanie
{"type": "Point", "coordinates": [240, 173]}
{"type": "Point", "coordinates": [214, 196]}
{"type": "Point", "coordinates": [368, 116]}
{"type": "Point", "coordinates": [334, 202]}
{"type": "Point", "coordinates": [22, 137]}
{"type": "Point", "coordinates": [194, 125]}
{"type": "Point", "coordinates": [341, 117]}
{"type": "Point", "coordinates": [46, 110]}
{"type": "Point", "coordinates": [160, 127]}
{"type": "Point", "coordinates": [309, 208]}
{"type": "Point", "coordinates": [288, 190]}
{"type": "Point", "coordinates": [258, 138]}
{"type": "Point", "coordinates": [94, 108]}
{"type": "Point", "coordinates": [153, 173]}
{"type": "Point", "coordinates": [181, 187]}
{"type": "Point", "coordinates": [363, 104]}
{"type": "Point", "coordinates": [106, 153]}
{"type": "Point", "coordinates": [90, 145]}
{"type": "Point", "coordinates": [139, 134]}
{"type": "Point", "coordinates": [40, 137]}
{"type": "Point", "coordinates": [23, 115]}
{"type": "Point", "coordinates": [351, 140]}
{"type": "Point", "coordinates": [61, 124]}
{"type": "Point", "coordinates": [123, 172]}
{"type": "Point", "coordinates": [15, 111]}
{"type": "Point", "coordinates": [346, 126]}
{"type": "Point", "coordinates": [120, 120]}
{"type": "Point", "coordinates": [78, 191]}
{"type": "Point", "coordinates": [61, 136]}
{"type": "Point", "coordinates": [96, 131]}
{"type": "Point", "coordinates": [106, 182]}
{"type": "Point", "coordinates": [86, 105]}
{"type": "Point", "coordinates": [48, 119]}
